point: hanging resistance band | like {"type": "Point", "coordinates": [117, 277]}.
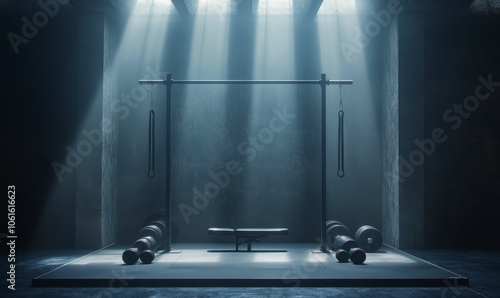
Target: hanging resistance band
{"type": "Point", "coordinates": [151, 149]}
{"type": "Point", "coordinates": [340, 171]}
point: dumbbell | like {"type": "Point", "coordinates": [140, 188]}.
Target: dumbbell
{"type": "Point", "coordinates": [174, 229]}
{"type": "Point", "coordinates": [148, 255]}
{"type": "Point", "coordinates": [333, 222]}
{"type": "Point", "coordinates": [369, 238]}
{"type": "Point", "coordinates": [345, 249]}
{"type": "Point", "coordinates": [150, 239]}
{"type": "Point", "coordinates": [333, 229]}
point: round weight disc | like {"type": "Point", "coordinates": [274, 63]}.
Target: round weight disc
{"type": "Point", "coordinates": [357, 256]}
{"type": "Point", "coordinates": [333, 222]}
{"type": "Point", "coordinates": [154, 217]}
{"type": "Point", "coordinates": [369, 238]}
{"type": "Point", "coordinates": [153, 244]}
{"type": "Point", "coordinates": [130, 256]}
{"type": "Point", "coordinates": [160, 216]}
{"type": "Point", "coordinates": [161, 224]}
{"type": "Point", "coordinates": [342, 256]}
{"type": "Point", "coordinates": [334, 231]}
{"type": "Point", "coordinates": [153, 231]}
{"type": "Point", "coordinates": [147, 256]}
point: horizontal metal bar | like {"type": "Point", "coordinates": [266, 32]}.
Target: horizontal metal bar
{"type": "Point", "coordinates": [151, 82]}
{"type": "Point", "coordinates": [246, 82]}
{"type": "Point", "coordinates": [339, 82]}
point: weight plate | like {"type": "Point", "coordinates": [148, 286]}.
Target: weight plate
{"type": "Point", "coordinates": [334, 231]}
{"type": "Point", "coordinates": [147, 256]}
{"type": "Point", "coordinates": [357, 255]}
{"type": "Point", "coordinates": [342, 256]}
{"type": "Point", "coordinates": [130, 256]}
{"type": "Point", "coordinates": [333, 222]}
{"type": "Point", "coordinates": [153, 231]}
{"type": "Point", "coordinates": [369, 238]}
{"type": "Point", "coordinates": [159, 216]}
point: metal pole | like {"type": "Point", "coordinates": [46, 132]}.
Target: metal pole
{"type": "Point", "coordinates": [168, 211]}
{"type": "Point", "coordinates": [324, 83]}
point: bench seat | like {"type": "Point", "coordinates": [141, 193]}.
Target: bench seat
{"type": "Point", "coordinates": [248, 235]}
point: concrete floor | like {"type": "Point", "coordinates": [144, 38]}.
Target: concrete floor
{"type": "Point", "coordinates": [196, 265]}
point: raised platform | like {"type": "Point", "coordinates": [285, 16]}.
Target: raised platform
{"type": "Point", "coordinates": [301, 265]}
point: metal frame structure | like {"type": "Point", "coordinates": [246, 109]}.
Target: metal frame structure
{"type": "Point", "coordinates": [323, 82]}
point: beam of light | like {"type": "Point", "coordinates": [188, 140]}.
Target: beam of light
{"type": "Point", "coordinates": [211, 7]}
{"type": "Point", "coordinates": [207, 60]}
{"type": "Point", "coordinates": [141, 45]}
{"type": "Point", "coordinates": [336, 21]}
{"type": "Point", "coordinates": [274, 7]}
{"type": "Point", "coordinates": [271, 258]}
{"type": "Point", "coordinates": [209, 45]}
{"type": "Point", "coordinates": [198, 258]}
{"type": "Point", "coordinates": [151, 7]}
{"type": "Point", "coordinates": [274, 58]}
{"type": "Point", "coordinates": [343, 51]}
{"type": "Point", "coordinates": [338, 7]}
{"type": "Point", "coordinates": [202, 108]}
{"type": "Point", "coordinates": [143, 40]}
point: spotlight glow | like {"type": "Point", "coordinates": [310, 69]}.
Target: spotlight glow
{"type": "Point", "coordinates": [147, 7]}
{"type": "Point", "coordinates": [217, 7]}
{"type": "Point", "coordinates": [275, 7]}
{"type": "Point", "coordinates": [336, 7]}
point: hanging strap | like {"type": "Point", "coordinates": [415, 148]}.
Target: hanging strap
{"type": "Point", "coordinates": [340, 171]}
{"type": "Point", "coordinates": [151, 149]}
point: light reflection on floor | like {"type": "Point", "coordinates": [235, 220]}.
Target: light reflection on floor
{"type": "Point", "coordinates": [192, 264]}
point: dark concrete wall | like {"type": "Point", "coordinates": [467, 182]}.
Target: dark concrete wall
{"type": "Point", "coordinates": [110, 128]}
{"type": "Point", "coordinates": [462, 174]}
{"type": "Point", "coordinates": [390, 143]}
{"type": "Point", "coordinates": [90, 110]}
{"type": "Point", "coordinates": [97, 174]}
{"type": "Point", "coordinates": [411, 128]}
{"type": "Point", "coordinates": [39, 90]}
{"type": "Point", "coordinates": [447, 157]}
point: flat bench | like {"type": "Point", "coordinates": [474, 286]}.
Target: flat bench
{"type": "Point", "coordinates": [247, 235]}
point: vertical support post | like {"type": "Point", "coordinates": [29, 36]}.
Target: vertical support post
{"type": "Point", "coordinates": [323, 84]}
{"type": "Point", "coordinates": [168, 116]}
